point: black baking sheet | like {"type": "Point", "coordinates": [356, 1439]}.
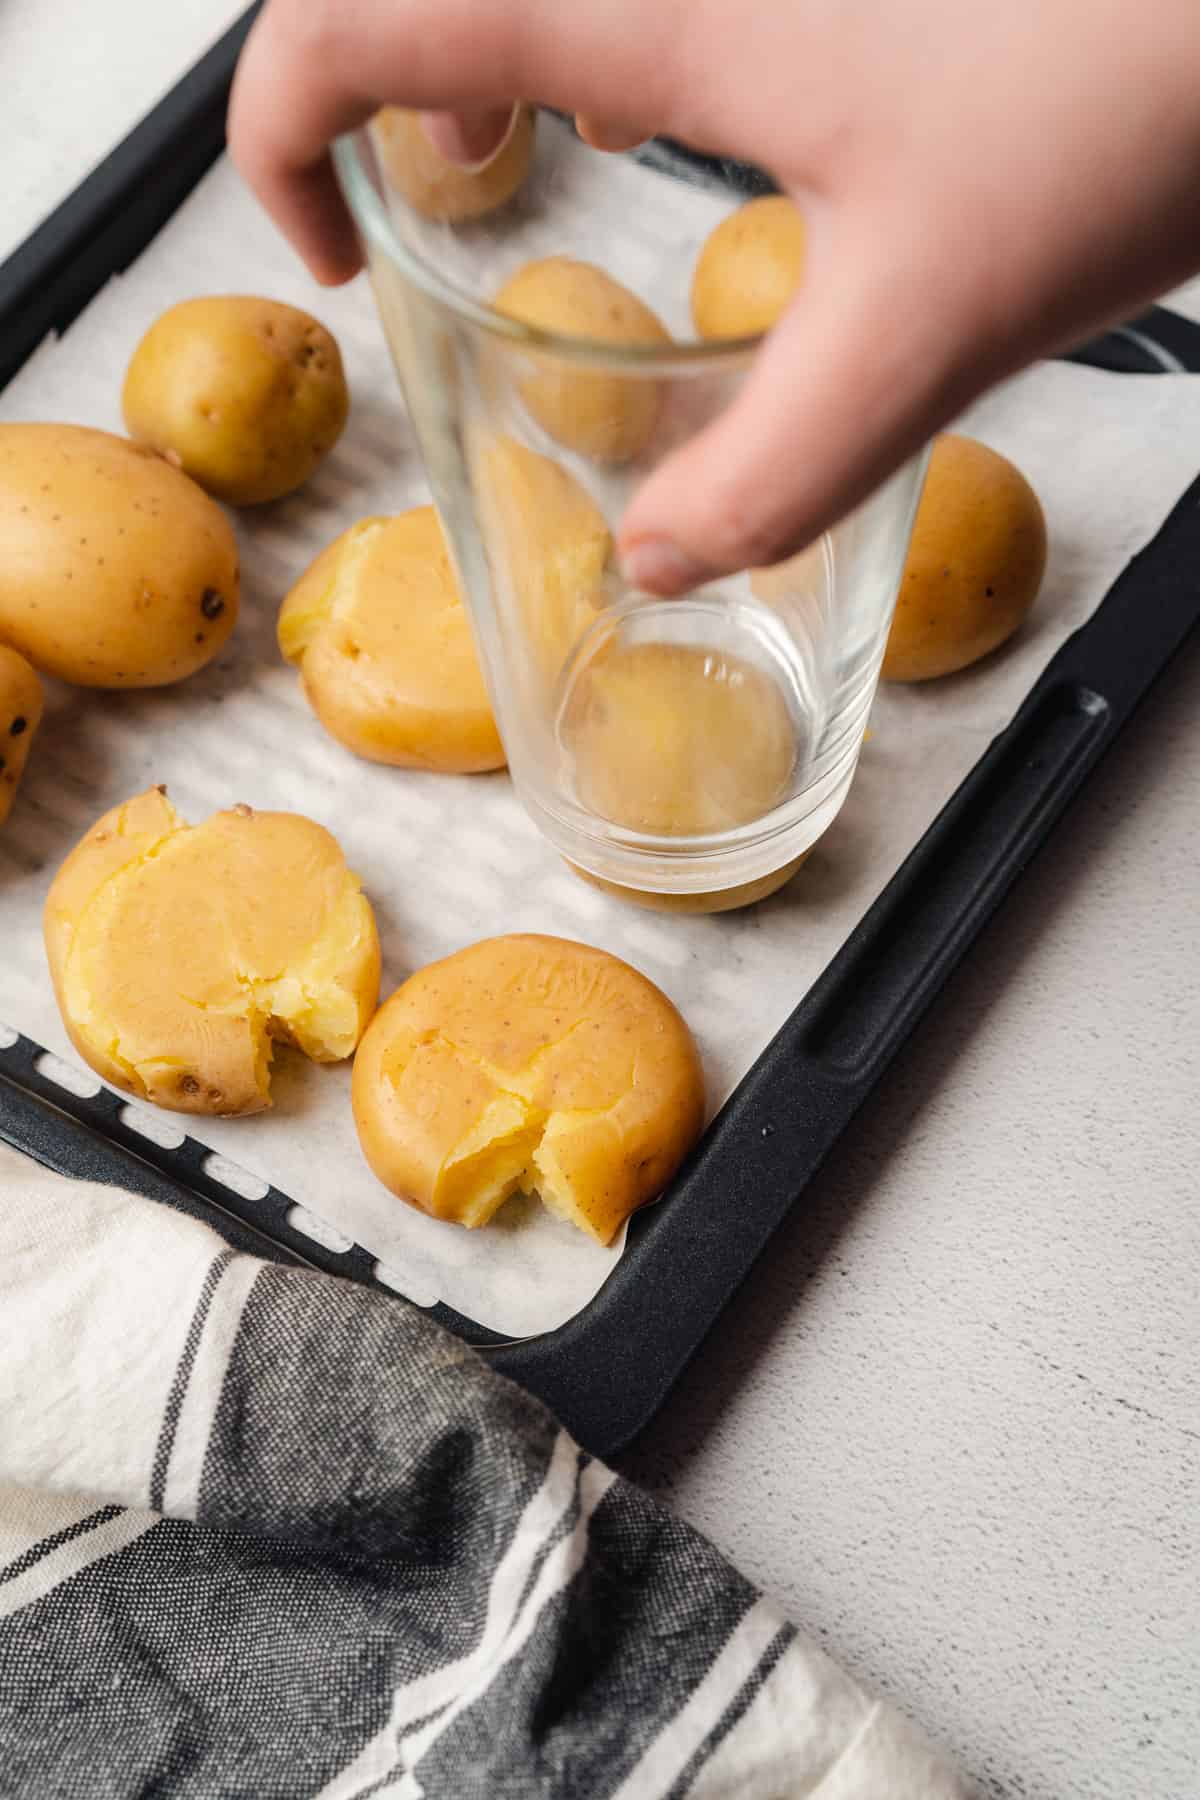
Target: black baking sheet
{"type": "Point", "coordinates": [607, 1370]}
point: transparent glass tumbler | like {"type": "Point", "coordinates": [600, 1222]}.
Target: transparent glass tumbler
{"type": "Point", "coordinates": [686, 752]}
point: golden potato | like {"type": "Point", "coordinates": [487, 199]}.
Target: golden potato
{"type": "Point", "coordinates": [117, 570]}
{"type": "Point", "coordinates": [677, 740]}
{"type": "Point", "coordinates": [974, 566]}
{"type": "Point", "coordinates": [528, 1063]}
{"type": "Point", "coordinates": [179, 953]}
{"type": "Point", "coordinates": [749, 269]}
{"type": "Point", "coordinates": [608, 417]}
{"type": "Point", "coordinates": [552, 549]}
{"type": "Point", "coordinates": [438, 189]}
{"type": "Point", "coordinates": [21, 703]}
{"type": "Point", "coordinates": [246, 396]}
{"type": "Point", "coordinates": [381, 637]}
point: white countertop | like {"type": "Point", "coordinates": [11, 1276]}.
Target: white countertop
{"type": "Point", "coordinates": [952, 1422]}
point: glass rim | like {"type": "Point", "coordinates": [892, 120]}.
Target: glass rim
{"type": "Point", "coordinates": [371, 217]}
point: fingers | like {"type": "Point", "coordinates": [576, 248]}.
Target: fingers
{"type": "Point", "coordinates": [313, 69]}
{"type": "Point", "coordinates": [860, 372]}
{"type": "Point", "coordinates": [608, 134]}
{"type": "Point", "coordinates": [473, 138]}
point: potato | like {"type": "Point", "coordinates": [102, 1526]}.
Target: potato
{"type": "Point", "coordinates": [179, 953]}
{"type": "Point", "coordinates": [438, 189]}
{"type": "Point", "coordinates": [749, 269]}
{"type": "Point", "coordinates": [246, 396]}
{"type": "Point", "coordinates": [379, 632]}
{"type": "Point", "coordinates": [117, 570]}
{"type": "Point", "coordinates": [20, 715]}
{"type": "Point", "coordinates": [608, 417]}
{"type": "Point", "coordinates": [677, 740]}
{"type": "Point", "coordinates": [528, 1063]}
{"type": "Point", "coordinates": [974, 566]}
{"type": "Point", "coordinates": [552, 549]}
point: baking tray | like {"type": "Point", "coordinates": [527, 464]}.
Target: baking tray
{"type": "Point", "coordinates": [606, 1371]}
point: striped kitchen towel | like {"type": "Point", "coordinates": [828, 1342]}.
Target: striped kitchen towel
{"type": "Point", "coordinates": [266, 1534]}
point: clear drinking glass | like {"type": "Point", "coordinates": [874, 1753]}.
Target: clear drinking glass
{"type": "Point", "coordinates": [687, 752]}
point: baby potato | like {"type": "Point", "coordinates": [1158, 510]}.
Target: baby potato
{"type": "Point", "coordinates": [246, 396]}
{"type": "Point", "coordinates": [180, 953]}
{"type": "Point", "coordinates": [383, 643]}
{"type": "Point", "coordinates": [442, 190]}
{"type": "Point", "coordinates": [20, 715]}
{"type": "Point", "coordinates": [608, 417]}
{"type": "Point", "coordinates": [527, 1064]}
{"type": "Point", "coordinates": [117, 570]}
{"type": "Point", "coordinates": [974, 566]}
{"type": "Point", "coordinates": [749, 269]}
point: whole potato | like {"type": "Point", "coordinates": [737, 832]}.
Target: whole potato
{"type": "Point", "coordinates": [749, 269]}
{"type": "Point", "coordinates": [438, 189]}
{"type": "Point", "coordinates": [20, 715]}
{"type": "Point", "coordinates": [379, 632]}
{"type": "Point", "coordinates": [117, 570]}
{"type": "Point", "coordinates": [974, 566]}
{"type": "Point", "coordinates": [608, 417]}
{"type": "Point", "coordinates": [246, 396]}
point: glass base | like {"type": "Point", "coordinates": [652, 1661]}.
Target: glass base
{"type": "Point", "coordinates": [716, 900]}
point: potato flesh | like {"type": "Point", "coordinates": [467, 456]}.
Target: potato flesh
{"type": "Point", "coordinates": [183, 963]}
{"type": "Point", "coordinates": [677, 740]}
{"type": "Point", "coordinates": [554, 546]}
{"type": "Point", "coordinates": [381, 635]}
{"type": "Point", "coordinates": [546, 1067]}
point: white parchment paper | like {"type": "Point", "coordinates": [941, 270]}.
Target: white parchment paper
{"type": "Point", "coordinates": [449, 859]}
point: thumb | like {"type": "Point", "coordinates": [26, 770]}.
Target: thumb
{"type": "Point", "coordinates": [860, 371]}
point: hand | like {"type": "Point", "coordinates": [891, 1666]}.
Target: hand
{"type": "Point", "coordinates": [981, 185]}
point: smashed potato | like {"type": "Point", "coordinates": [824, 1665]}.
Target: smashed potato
{"type": "Point", "coordinates": [749, 269]}
{"type": "Point", "coordinates": [21, 704]}
{"type": "Point", "coordinates": [533, 1064]}
{"type": "Point", "coordinates": [246, 396]}
{"type": "Point", "coordinates": [677, 740]}
{"type": "Point", "coordinates": [378, 630]}
{"type": "Point", "coordinates": [180, 953]}
{"type": "Point", "coordinates": [609, 417]}
{"type": "Point", "coordinates": [117, 570]}
{"type": "Point", "coordinates": [974, 566]}
{"type": "Point", "coordinates": [555, 548]}
{"type": "Point", "coordinates": [442, 190]}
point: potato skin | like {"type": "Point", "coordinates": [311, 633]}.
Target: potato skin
{"type": "Point", "coordinates": [749, 269]}
{"type": "Point", "coordinates": [608, 417]}
{"type": "Point", "coordinates": [440, 190]}
{"type": "Point", "coordinates": [528, 1051]}
{"type": "Point", "coordinates": [383, 643]}
{"type": "Point", "coordinates": [21, 703]}
{"type": "Point", "coordinates": [247, 396]}
{"type": "Point", "coordinates": [117, 570]}
{"type": "Point", "coordinates": [974, 566]}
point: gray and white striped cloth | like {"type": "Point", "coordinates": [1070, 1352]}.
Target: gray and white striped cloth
{"type": "Point", "coordinates": [265, 1534]}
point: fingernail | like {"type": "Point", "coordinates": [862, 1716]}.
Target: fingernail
{"type": "Point", "coordinates": [662, 567]}
{"type": "Point", "coordinates": [470, 140]}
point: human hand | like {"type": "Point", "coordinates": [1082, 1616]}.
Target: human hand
{"type": "Point", "coordinates": [980, 186]}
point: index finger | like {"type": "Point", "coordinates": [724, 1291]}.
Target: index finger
{"type": "Point", "coordinates": [314, 69]}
